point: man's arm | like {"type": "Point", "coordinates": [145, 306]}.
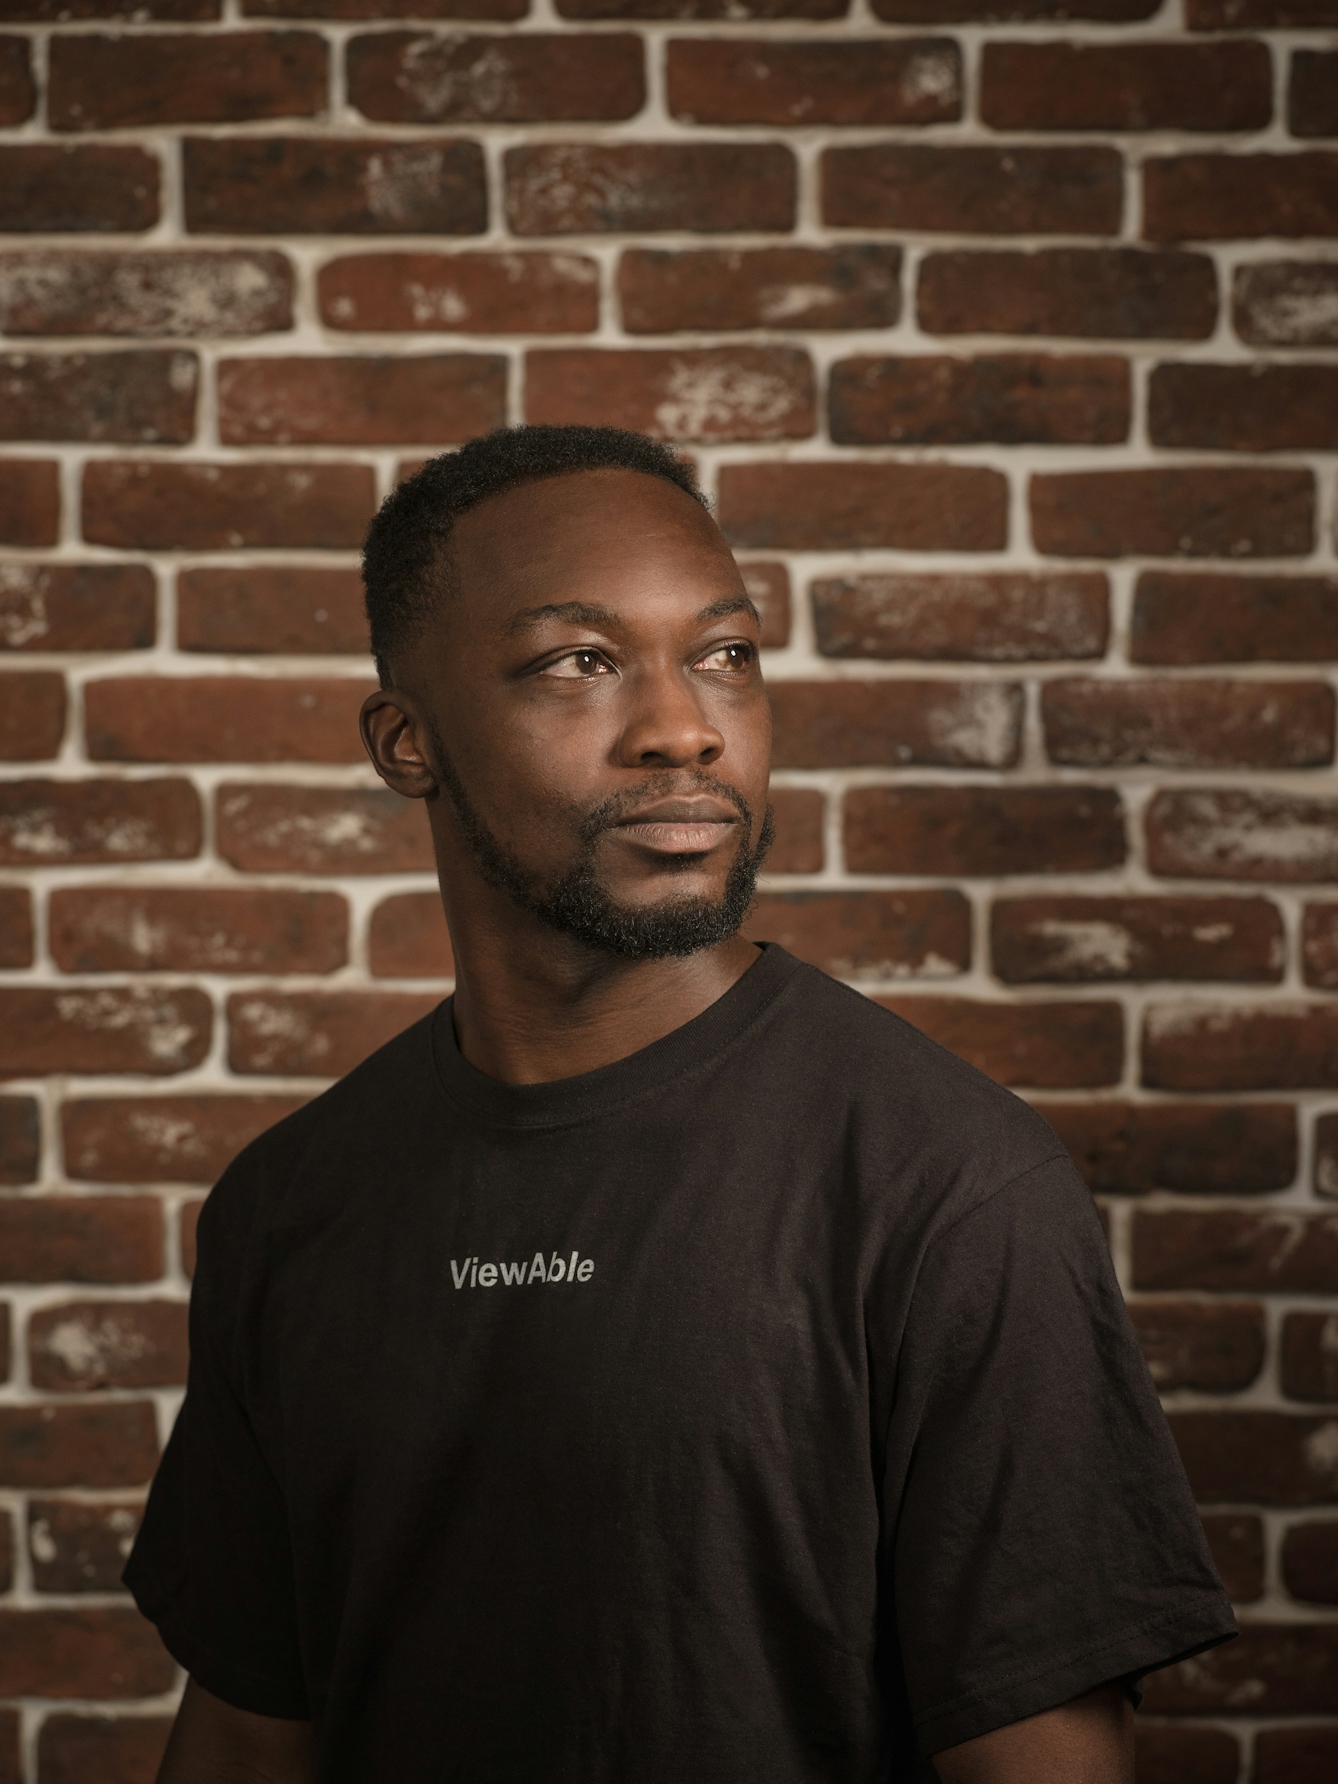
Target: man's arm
{"type": "Point", "coordinates": [1088, 1741]}
{"type": "Point", "coordinates": [213, 1743]}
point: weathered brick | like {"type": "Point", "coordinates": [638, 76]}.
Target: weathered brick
{"type": "Point", "coordinates": [1310, 1565]}
{"type": "Point", "coordinates": [46, 823]}
{"type": "Point", "coordinates": [1259, 15]}
{"type": "Point", "coordinates": [526, 293]}
{"type": "Point", "coordinates": [119, 1749]}
{"type": "Point", "coordinates": [750, 80]}
{"type": "Point", "coordinates": [147, 80]}
{"type": "Point", "coordinates": [1326, 1155]}
{"type": "Point", "coordinates": [224, 718]}
{"type": "Point", "coordinates": [1011, 398]}
{"type": "Point", "coordinates": [18, 89]}
{"type": "Point", "coordinates": [885, 935]}
{"type": "Point", "coordinates": [206, 929]}
{"type": "Point", "coordinates": [799, 814]}
{"type": "Point", "coordinates": [407, 938]}
{"type": "Point", "coordinates": [1126, 86]}
{"type": "Point", "coordinates": [849, 285]}
{"type": "Point", "coordinates": [78, 1547]}
{"type": "Point", "coordinates": [1312, 95]}
{"type": "Point", "coordinates": [1271, 1669]}
{"type": "Point", "coordinates": [1280, 1046]}
{"type": "Point", "coordinates": [57, 186]}
{"type": "Point", "coordinates": [1213, 1347]}
{"type": "Point", "coordinates": [1319, 946]}
{"type": "Point", "coordinates": [1110, 293]}
{"type": "Point", "coordinates": [1194, 511]}
{"type": "Point", "coordinates": [1009, 617]}
{"type": "Point", "coordinates": [79, 607]}
{"type": "Point", "coordinates": [706, 393]}
{"type": "Point", "coordinates": [1266, 1251]}
{"type": "Point", "coordinates": [983, 830]}
{"type": "Point", "coordinates": [1266, 1458]}
{"type": "Point", "coordinates": [80, 1346]}
{"type": "Point", "coordinates": [188, 1220]}
{"type": "Point", "coordinates": [20, 1139]}
{"type": "Point", "coordinates": [1203, 617]}
{"type": "Point", "coordinates": [1237, 1544]}
{"type": "Point", "coordinates": [408, 77]}
{"type": "Point", "coordinates": [1223, 1149]}
{"type": "Point", "coordinates": [386, 9]}
{"type": "Point", "coordinates": [160, 506]}
{"type": "Point", "coordinates": [140, 397]}
{"type": "Point", "coordinates": [122, 1028]}
{"type": "Point", "coordinates": [316, 1034]}
{"type": "Point", "coordinates": [32, 714]}
{"type": "Point", "coordinates": [1235, 197]}
{"type": "Point", "coordinates": [768, 588]}
{"type": "Point", "coordinates": [1244, 408]}
{"type": "Point", "coordinates": [376, 400]}
{"type": "Point", "coordinates": [678, 10]}
{"type": "Point", "coordinates": [1286, 303]}
{"type": "Point", "coordinates": [16, 927]}
{"type": "Point", "coordinates": [295, 185]}
{"type": "Point", "coordinates": [838, 724]}
{"type": "Point", "coordinates": [1077, 940]}
{"type": "Point", "coordinates": [1309, 1357]}
{"type": "Point", "coordinates": [62, 12]}
{"type": "Point", "coordinates": [281, 608]}
{"type": "Point", "coordinates": [163, 1139]}
{"type": "Point", "coordinates": [857, 505]}
{"type": "Point", "coordinates": [84, 291]}
{"type": "Point", "coordinates": [103, 1652]}
{"type": "Point", "coordinates": [89, 1445]}
{"type": "Point", "coordinates": [29, 497]}
{"type": "Point", "coordinates": [1048, 1046]}
{"type": "Point", "coordinates": [266, 828]}
{"type": "Point", "coordinates": [1296, 1755]}
{"type": "Point", "coordinates": [595, 188]}
{"type": "Point", "coordinates": [1164, 1754]}
{"type": "Point", "coordinates": [1207, 833]}
{"type": "Point", "coordinates": [973, 190]}
{"type": "Point", "coordinates": [81, 1238]}
{"type": "Point", "coordinates": [1188, 724]}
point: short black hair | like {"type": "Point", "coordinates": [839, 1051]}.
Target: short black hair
{"type": "Point", "coordinates": [405, 565]}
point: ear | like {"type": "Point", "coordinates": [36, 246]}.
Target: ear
{"type": "Point", "coordinates": [393, 734]}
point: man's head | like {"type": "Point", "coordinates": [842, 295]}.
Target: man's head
{"type": "Point", "coordinates": [570, 678]}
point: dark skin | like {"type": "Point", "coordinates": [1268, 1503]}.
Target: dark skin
{"type": "Point", "coordinates": [598, 645]}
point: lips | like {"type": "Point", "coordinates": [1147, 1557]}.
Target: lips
{"type": "Point", "coordinates": [679, 826]}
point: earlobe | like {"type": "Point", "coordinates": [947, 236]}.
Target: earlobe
{"type": "Point", "coordinates": [390, 730]}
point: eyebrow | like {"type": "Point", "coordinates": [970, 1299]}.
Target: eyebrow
{"type": "Point", "coordinates": [581, 613]}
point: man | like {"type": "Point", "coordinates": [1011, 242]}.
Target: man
{"type": "Point", "coordinates": [660, 1365]}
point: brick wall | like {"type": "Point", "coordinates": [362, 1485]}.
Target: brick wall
{"type": "Point", "coordinates": [1004, 333]}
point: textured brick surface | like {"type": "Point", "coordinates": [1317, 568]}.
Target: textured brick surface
{"type": "Point", "coordinates": [1012, 398]}
{"type": "Point", "coordinates": [372, 401]}
{"type": "Point", "coordinates": [973, 191]}
{"type": "Point", "coordinates": [271, 609]}
{"type": "Point", "coordinates": [1073, 940]}
{"type": "Point", "coordinates": [468, 292]}
{"type": "Point", "coordinates": [741, 81]}
{"type": "Point", "coordinates": [579, 188]}
{"type": "Point", "coordinates": [1214, 618]}
{"type": "Point", "coordinates": [856, 286]}
{"type": "Point", "coordinates": [136, 397]}
{"type": "Point", "coordinates": [111, 83]}
{"type": "Point", "coordinates": [1145, 86]}
{"type": "Point", "coordinates": [983, 830]}
{"type": "Point", "coordinates": [186, 292]}
{"type": "Point", "coordinates": [845, 507]}
{"type": "Point", "coordinates": [1192, 512]}
{"type": "Point", "coordinates": [403, 77]}
{"type": "Point", "coordinates": [1122, 293]}
{"type": "Point", "coordinates": [1235, 197]}
{"type": "Point", "coordinates": [730, 393]}
{"type": "Point", "coordinates": [987, 619]}
{"type": "Point", "coordinates": [1286, 303]}
{"type": "Point", "coordinates": [1189, 724]}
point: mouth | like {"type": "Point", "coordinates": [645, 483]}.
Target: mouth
{"type": "Point", "coordinates": [679, 826]}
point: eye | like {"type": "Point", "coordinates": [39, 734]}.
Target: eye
{"type": "Point", "coordinates": [578, 665]}
{"type": "Point", "coordinates": [729, 658]}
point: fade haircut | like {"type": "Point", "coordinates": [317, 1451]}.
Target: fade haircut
{"type": "Point", "coordinates": [406, 561]}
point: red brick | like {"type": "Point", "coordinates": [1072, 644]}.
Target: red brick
{"type": "Point", "coordinates": [1212, 1347]}
{"type": "Point", "coordinates": [29, 498]}
{"type": "Point", "coordinates": [316, 1034]}
{"type": "Point", "coordinates": [1244, 408]}
{"type": "Point", "coordinates": [271, 608]}
{"type": "Point", "coordinates": [951, 12]}
{"type": "Point", "coordinates": [983, 830]}
{"type": "Point", "coordinates": [32, 714]}
{"type": "Point", "coordinates": [1280, 1046]}
{"type": "Point", "coordinates": [376, 400]}
{"type": "Point", "coordinates": [204, 929]}
{"type": "Point", "coordinates": [750, 80]}
{"type": "Point", "coordinates": [1237, 1544]}
{"type": "Point", "coordinates": [81, 1238]}
{"type": "Point", "coordinates": [56, 186]}
{"type": "Point", "coordinates": [408, 77]}
{"type": "Point", "coordinates": [18, 90]}
{"type": "Point", "coordinates": [407, 938]}
{"type": "Point", "coordinates": [163, 1139]}
{"type": "Point", "coordinates": [1188, 724]}
{"type": "Point", "coordinates": [104, 1652]}
{"type": "Point", "coordinates": [1267, 1458]}
{"type": "Point", "coordinates": [1190, 511]}
{"type": "Point", "coordinates": [122, 1028]}
{"type": "Point", "coordinates": [20, 1139]}
{"type": "Point", "coordinates": [1112, 293]}
{"type": "Point", "coordinates": [338, 830]}
{"type": "Point", "coordinates": [679, 10]}
{"type": "Point", "coordinates": [1269, 1251]}
{"type": "Point", "coordinates": [296, 185]}
{"type": "Point", "coordinates": [84, 291]}
{"type": "Point", "coordinates": [1235, 197]}
{"type": "Point", "coordinates": [1010, 617]}
{"type": "Point", "coordinates": [89, 1445]}
{"type": "Point", "coordinates": [58, 823]}
{"type": "Point", "coordinates": [188, 1220]}
{"type": "Point", "coordinates": [709, 393]}
{"type": "Point", "coordinates": [973, 190]}
{"type": "Point", "coordinates": [1126, 86]}
{"type": "Point", "coordinates": [81, 1346]}
{"type": "Point", "coordinates": [1259, 15]}
{"type": "Point", "coordinates": [594, 188]}
{"type": "Point", "coordinates": [1319, 946]}
{"type": "Point", "coordinates": [11, 1758]}
{"type": "Point", "coordinates": [1078, 940]}
{"type": "Point", "coordinates": [855, 505]}
{"type": "Point", "coordinates": [768, 588]}
{"type": "Point", "coordinates": [386, 9]}
{"type": "Point", "coordinates": [1310, 1565]}
{"type": "Point", "coordinates": [224, 718]}
{"type": "Point", "coordinates": [1050, 1046]}
{"type": "Point", "coordinates": [1188, 617]}
{"type": "Point", "coordinates": [1295, 1755]}
{"type": "Point", "coordinates": [1211, 833]}
{"type": "Point", "coordinates": [1168, 1755]}
{"type": "Point", "coordinates": [1309, 1360]}
{"type": "Point", "coordinates": [150, 504]}
{"type": "Point", "coordinates": [62, 12]}
{"type": "Point", "coordinates": [16, 927]}
{"type": "Point", "coordinates": [1312, 96]}
{"type": "Point", "coordinates": [799, 814]}
{"type": "Point", "coordinates": [527, 293]}
{"type": "Point", "coordinates": [121, 1749]}
{"type": "Point", "coordinates": [79, 607]}
{"type": "Point", "coordinates": [143, 81]}
{"type": "Point", "coordinates": [847, 724]}
{"type": "Point", "coordinates": [1012, 398]}
{"type": "Point", "coordinates": [1271, 1669]}
{"type": "Point", "coordinates": [854, 285]}
{"type": "Point", "coordinates": [885, 935]}
{"type": "Point", "coordinates": [1192, 1149]}
{"type": "Point", "coordinates": [1286, 303]}
{"type": "Point", "coordinates": [140, 397]}
{"type": "Point", "coordinates": [6, 1540]}
{"type": "Point", "coordinates": [1326, 1155]}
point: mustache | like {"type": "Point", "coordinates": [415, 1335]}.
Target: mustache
{"type": "Point", "coordinates": [611, 812]}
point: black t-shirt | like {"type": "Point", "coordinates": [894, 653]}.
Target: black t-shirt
{"type": "Point", "coordinates": [759, 1408]}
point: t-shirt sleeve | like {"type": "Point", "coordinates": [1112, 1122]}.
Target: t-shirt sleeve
{"type": "Point", "coordinates": [212, 1564]}
{"type": "Point", "coordinates": [1039, 1529]}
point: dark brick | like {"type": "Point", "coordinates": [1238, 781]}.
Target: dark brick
{"type": "Point", "coordinates": [163, 1139]}
{"type": "Point", "coordinates": [1310, 1564]}
{"type": "Point", "coordinates": [1187, 617]}
{"type": "Point", "coordinates": [1169, 1755]}
{"type": "Point", "coordinates": [407, 77]}
{"type": "Point", "coordinates": [29, 501]}
{"type": "Point", "coordinates": [56, 186]}
{"type": "Point", "coordinates": [1229, 1250]}
{"type": "Point", "coordinates": [840, 724]}
{"type": "Point", "coordinates": [1281, 1046]}
{"type": "Point", "coordinates": [188, 1220]}
{"type": "Point", "coordinates": [61, 12]}
{"type": "Point", "coordinates": [1237, 1544]}
{"type": "Point", "coordinates": [1286, 303]}
{"type": "Point", "coordinates": [84, 291]}
{"type": "Point", "coordinates": [123, 1028]}
{"type": "Point", "coordinates": [277, 608]}
{"type": "Point", "coordinates": [973, 190]}
{"type": "Point", "coordinates": [20, 1139]}
{"type": "Point", "coordinates": [1319, 946]}
{"type": "Point", "coordinates": [1194, 511]}
{"type": "Point", "coordinates": [1259, 15]}
{"type": "Point", "coordinates": [1236, 197]}
{"type": "Point", "coordinates": [1213, 1347]}
{"type": "Point", "coordinates": [196, 929]}
{"type": "Point", "coordinates": [136, 398]}
{"type": "Point", "coordinates": [16, 927]}
{"type": "Point", "coordinates": [372, 400]}
{"type": "Point", "coordinates": [32, 715]}
{"type": "Point", "coordinates": [1326, 1155]}
{"type": "Point", "coordinates": [1077, 940]}
{"type": "Point", "coordinates": [57, 823]}
{"type": "Point", "coordinates": [407, 938]}
{"type": "Point", "coordinates": [1092, 293]}
{"type": "Point", "coordinates": [1207, 833]}
{"type": "Point", "coordinates": [91, 1445]}
{"type": "Point", "coordinates": [115, 1749]}
{"type": "Point", "coordinates": [266, 828]}
{"type": "Point", "coordinates": [1010, 617]}
{"type": "Point", "coordinates": [678, 10]}
{"type": "Point", "coordinates": [885, 935]}
{"type": "Point", "coordinates": [1266, 1458]}
{"type": "Point", "coordinates": [709, 187]}
{"type": "Point", "coordinates": [1050, 1046]}
{"type": "Point", "coordinates": [316, 1034]}
{"type": "Point", "coordinates": [1271, 1669]}
{"type": "Point", "coordinates": [1223, 1149]}
{"type": "Point", "coordinates": [1244, 408]}
{"type": "Point", "coordinates": [854, 505]}
{"type": "Point", "coordinates": [1312, 96]}
{"type": "Point", "coordinates": [1012, 398]}
{"type": "Point", "coordinates": [1309, 1359]}
{"type": "Point", "coordinates": [1296, 1755]}
{"type": "Point", "coordinates": [983, 830]}
{"type": "Point", "coordinates": [799, 813]}
{"type": "Point", "coordinates": [708, 393]}
{"type": "Point", "coordinates": [104, 1652]}
{"type": "Point", "coordinates": [526, 293]}
{"type": "Point", "coordinates": [18, 89]}
{"type": "Point", "coordinates": [76, 1547]}
{"type": "Point", "coordinates": [81, 1238]}
{"type": "Point", "coordinates": [158, 506]}
{"type": "Point", "coordinates": [147, 80]}
{"type": "Point", "coordinates": [1126, 86]}
{"type": "Point", "coordinates": [81, 1346]}
{"type": "Point", "coordinates": [855, 285]}
{"type": "Point", "coordinates": [224, 718]}
{"type": "Point", "coordinates": [863, 81]}
{"type": "Point", "coordinates": [1188, 724]}
{"type": "Point", "coordinates": [386, 9]}
{"type": "Point", "coordinates": [79, 607]}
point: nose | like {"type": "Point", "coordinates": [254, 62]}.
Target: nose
{"type": "Point", "coordinates": [666, 726]}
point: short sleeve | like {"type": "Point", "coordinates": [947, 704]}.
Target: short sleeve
{"type": "Point", "coordinates": [212, 1564]}
{"type": "Point", "coordinates": [1040, 1533]}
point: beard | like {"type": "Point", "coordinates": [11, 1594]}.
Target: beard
{"type": "Point", "coordinates": [577, 904]}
